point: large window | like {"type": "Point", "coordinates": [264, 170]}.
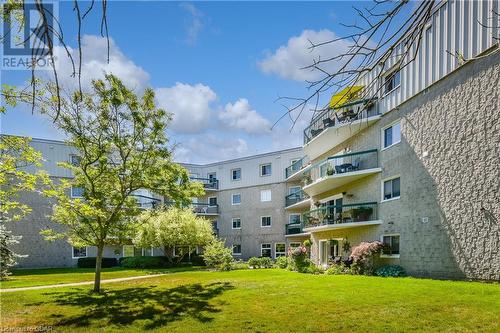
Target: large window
{"type": "Point", "coordinates": [391, 245]}
{"type": "Point", "coordinates": [236, 223]}
{"type": "Point", "coordinates": [391, 189]}
{"type": "Point", "coordinates": [279, 249]}
{"type": "Point", "coordinates": [392, 81]}
{"type": "Point", "coordinates": [236, 199]}
{"type": "Point", "coordinates": [236, 249]}
{"type": "Point", "coordinates": [212, 201]}
{"type": "Point", "coordinates": [265, 195]}
{"type": "Point", "coordinates": [294, 218]}
{"type": "Point", "coordinates": [294, 245]}
{"type": "Point", "coordinates": [265, 250]}
{"type": "Point", "coordinates": [74, 160]}
{"type": "Point", "coordinates": [391, 135]}
{"type": "Point", "coordinates": [79, 252]}
{"type": "Point", "coordinates": [265, 221]}
{"type": "Point", "coordinates": [265, 169]}
{"type": "Point", "coordinates": [76, 192]}
{"type": "Point", "coordinates": [236, 174]}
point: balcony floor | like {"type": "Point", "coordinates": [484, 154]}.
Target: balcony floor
{"type": "Point", "coordinates": [333, 136]}
{"type": "Point", "coordinates": [300, 205]}
{"type": "Point", "coordinates": [328, 183]}
{"type": "Point", "coordinates": [327, 227]}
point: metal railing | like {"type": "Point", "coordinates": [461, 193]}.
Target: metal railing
{"type": "Point", "coordinates": [198, 207]}
{"type": "Point", "coordinates": [293, 228]}
{"type": "Point", "coordinates": [334, 117]}
{"type": "Point", "coordinates": [337, 214]}
{"type": "Point", "coordinates": [145, 202]}
{"type": "Point", "coordinates": [296, 166]}
{"type": "Point", "coordinates": [208, 183]}
{"type": "Point", "coordinates": [293, 198]}
{"type": "Point", "coordinates": [340, 164]}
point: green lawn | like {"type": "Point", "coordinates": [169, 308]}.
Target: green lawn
{"type": "Point", "coordinates": [41, 277]}
{"type": "Point", "coordinates": [261, 301]}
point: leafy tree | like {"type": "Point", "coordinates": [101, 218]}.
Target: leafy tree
{"type": "Point", "coordinates": [16, 156]}
{"type": "Point", "coordinates": [218, 256]}
{"type": "Point", "coordinates": [173, 227]}
{"type": "Point", "coordinates": [122, 147]}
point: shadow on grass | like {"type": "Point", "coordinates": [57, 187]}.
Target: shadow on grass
{"type": "Point", "coordinates": [156, 307]}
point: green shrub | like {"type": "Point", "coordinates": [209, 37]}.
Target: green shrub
{"type": "Point", "coordinates": [145, 262]}
{"type": "Point", "coordinates": [281, 262]}
{"type": "Point", "coordinates": [218, 256]}
{"type": "Point", "coordinates": [254, 262]}
{"type": "Point", "coordinates": [307, 243]}
{"type": "Point", "coordinates": [266, 262]}
{"type": "Point", "coordinates": [339, 269]}
{"type": "Point", "coordinates": [390, 271]}
{"type": "Point", "coordinates": [89, 262]}
{"type": "Point", "coordinates": [311, 268]}
{"type": "Point", "coordinates": [239, 265]}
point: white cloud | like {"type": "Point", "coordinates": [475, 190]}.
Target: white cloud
{"type": "Point", "coordinates": [195, 25]}
{"type": "Point", "coordinates": [206, 148]}
{"type": "Point", "coordinates": [94, 65]}
{"type": "Point", "coordinates": [240, 116]}
{"type": "Point", "coordinates": [289, 60]}
{"type": "Point", "coordinates": [189, 104]}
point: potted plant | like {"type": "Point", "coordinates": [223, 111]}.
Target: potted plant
{"type": "Point", "coordinates": [329, 170]}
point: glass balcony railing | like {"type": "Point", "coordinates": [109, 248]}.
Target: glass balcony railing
{"type": "Point", "coordinates": [296, 166]}
{"type": "Point", "coordinates": [208, 183]}
{"type": "Point", "coordinates": [338, 116]}
{"type": "Point", "coordinates": [293, 228]}
{"type": "Point", "coordinates": [198, 207]}
{"type": "Point", "coordinates": [293, 198]}
{"type": "Point", "coordinates": [342, 164]}
{"type": "Point", "coordinates": [338, 214]}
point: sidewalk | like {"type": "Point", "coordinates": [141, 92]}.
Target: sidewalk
{"type": "Point", "coordinates": [9, 290]}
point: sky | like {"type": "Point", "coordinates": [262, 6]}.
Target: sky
{"type": "Point", "coordinates": [218, 67]}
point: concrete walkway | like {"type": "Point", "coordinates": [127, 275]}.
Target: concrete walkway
{"type": "Point", "coordinates": [9, 290]}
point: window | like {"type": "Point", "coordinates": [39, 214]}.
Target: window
{"type": "Point", "coordinates": [212, 177]}
{"type": "Point", "coordinates": [76, 192]}
{"type": "Point", "coordinates": [237, 249]}
{"type": "Point", "coordinates": [392, 81]}
{"type": "Point", "coordinates": [279, 249]}
{"type": "Point", "coordinates": [265, 169]}
{"type": "Point", "coordinates": [294, 245]}
{"type": "Point", "coordinates": [147, 252]}
{"type": "Point", "coordinates": [265, 250]}
{"type": "Point", "coordinates": [294, 189]}
{"type": "Point", "coordinates": [391, 246]}
{"type": "Point", "coordinates": [265, 195]}
{"type": "Point", "coordinates": [265, 221]}
{"type": "Point", "coordinates": [391, 135]}
{"type": "Point", "coordinates": [212, 201]}
{"type": "Point", "coordinates": [74, 160]}
{"type": "Point", "coordinates": [294, 218]}
{"type": "Point", "coordinates": [236, 174]}
{"type": "Point", "coordinates": [79, 252]}
{"type": "Point", "coordinates": [391, 189]}
{"type": "Point", "coordinates": [236, 223]}
{"type": "Point", "coordinates": [128, 250]}
{"type": "Point", "coordinates": [236, 199]}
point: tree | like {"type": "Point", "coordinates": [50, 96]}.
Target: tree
{"type": "Point", "coordinates": [122, 147]}
{"type": "Point", "coordinates": [173, 227]}
{"type": "Point", "coordinates": [16, 155]}
{"type": "Point", "coordinates": [218, 256]}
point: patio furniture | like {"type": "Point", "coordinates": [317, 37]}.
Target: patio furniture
{"type": "Point", "coordinates": [328, 122]}
{"type": "Point", "coordinates": [315, 132]}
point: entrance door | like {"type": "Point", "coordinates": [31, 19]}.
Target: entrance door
{"type": "Point", "coordinates": [323, 252]}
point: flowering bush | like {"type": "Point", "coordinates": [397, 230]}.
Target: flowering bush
{"type": "Point", "coordinates": [363, 255]}
{"type": "Point", "coordinates": [298, 260]}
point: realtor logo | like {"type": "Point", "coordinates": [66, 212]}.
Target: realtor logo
{"type": "Point", "coordinates": [27, 34]}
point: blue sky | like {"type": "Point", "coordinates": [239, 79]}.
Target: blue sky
{"type": "Point", "coordinates": [217, 66]}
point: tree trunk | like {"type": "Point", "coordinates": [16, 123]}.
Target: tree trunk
{"type": "Point", "coordinates": [98, 264]}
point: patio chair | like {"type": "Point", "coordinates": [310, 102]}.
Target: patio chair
{"type": "Point", "coordinates": [338, 169]}
{"type": "Point", "coordinates": [328, 122]}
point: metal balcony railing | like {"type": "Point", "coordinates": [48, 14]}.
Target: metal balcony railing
{"type": "Point", "coordinates": [338, 116]}
{"type": "Point", "coordinates": [204, 208]}
{"type": "Point", "coordinates": [337, 214]}
{"type": "Point", "coordinates": [145, 202]}
{"type": "Point", "coordinates": [296, 166]}
{"type": "Point", "coordinates": [342, 164]}
{"type": "Point", "coordinates": [208, 183]}
{"type": "Point", "coordinates": [293, 228]}
{"type": "Point", "coordinates": [293, 198]}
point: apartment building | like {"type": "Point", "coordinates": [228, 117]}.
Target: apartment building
{"type": "Point", "coordinates": [416, 163]}
{"type": "Point", "coordinates": [244, 198]}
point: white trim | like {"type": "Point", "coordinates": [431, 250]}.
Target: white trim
{"type": "Point", "coordinates": [270, 195]}
{"type": "Point", "coordinates": [231, 176]}
{"type": "Point", "coordinates": [208, 201]}
{"type": "Point", "coordinates": [282, 254]}
{"type": "Point", "coordinates": [270, 248]}
{"type": "Point", "coordinates": [266, 226]}
{"type": "Point", "coordinates": [232, 251]}
{"type": "Point", "coordinates": [73, 252]}
{"type": "Point", "coordinates": [232, 223]}
{"type": "Point", "coordinates": [382, 135]}
{"type": "Point", "coordinates": [390, 72]}
{"type": "Point", "coordinates": [290, 217]}
{"type": "Point", "coordinates": [260, 169]}
{"type": "Point", "coordinates": [382, 188]}
{"type": "Point", "coordinates": [330, 198]}
{"type": "Point", "coordinates": [294, 186]}
{"type": "Point", "coordinates": [390, 256]}
{"type": "Point", "coordinates": [232, 201]}
{"type": "Point", "coordinates": [290, 244]}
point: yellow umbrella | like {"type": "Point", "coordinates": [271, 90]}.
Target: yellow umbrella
{"type": "Point", "coordinates": [345, 95]}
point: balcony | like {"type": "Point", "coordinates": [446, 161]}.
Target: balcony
{"type": "Point", "coordinates": [209, 184]}
{"type": "Point", "coordinates": [202, 209]}
{"type": "Point", "coordinates": [297, 200]}
{"type": "Point", "coordinates": [294, 171]}
{"type": "Point", "coordinates": [340, 170]}
{"type": "Point", "coordinates": [341, 217]}
{"type": "Point", "coordinates": [146, 202]}
{"type": "Point", "coordinates": [335, 125]}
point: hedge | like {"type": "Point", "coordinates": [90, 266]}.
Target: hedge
{"type": "Point", "coordinates": [89, 262]}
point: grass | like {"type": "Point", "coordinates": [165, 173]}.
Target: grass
{"type": "Point", "coordinates": [260, 301]}
{"type": "Point", "coordinates": [47, 276]}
